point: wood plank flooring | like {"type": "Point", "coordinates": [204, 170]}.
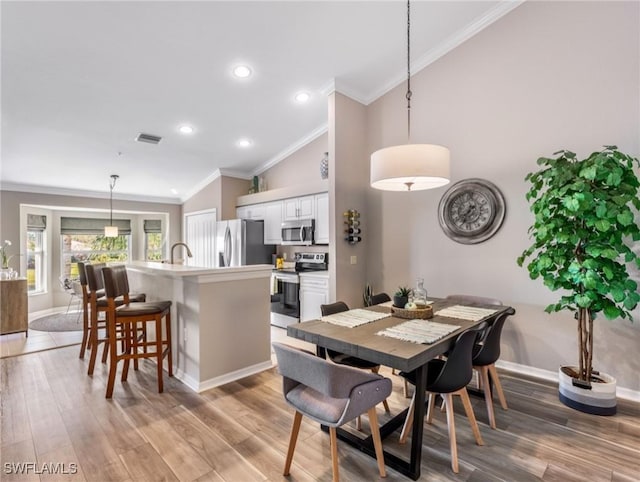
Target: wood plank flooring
{"type": "Point", "coordinates": [52, 413]}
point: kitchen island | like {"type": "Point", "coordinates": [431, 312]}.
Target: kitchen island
{"type": "Point", "coordinates": [219, 318]}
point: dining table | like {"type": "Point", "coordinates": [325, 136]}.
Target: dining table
{"type": "Point", "coordinates": [374, 341]}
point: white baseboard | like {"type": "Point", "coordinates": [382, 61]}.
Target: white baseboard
{"type": "Point", "coordinates": [199, 387]}
{"type": "Point", "coordinates": [624, 393]}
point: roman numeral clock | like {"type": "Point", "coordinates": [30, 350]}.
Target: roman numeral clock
{"type": "Point", "coordinates": [471, 211]}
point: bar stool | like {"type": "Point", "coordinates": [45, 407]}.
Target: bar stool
{"type": "Point", "coordinates": [127, 317]}
{"type": "Point", "coordinates": [93, 291]}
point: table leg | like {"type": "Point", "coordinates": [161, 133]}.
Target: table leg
{"type": "Point", "coordinates": [411, 468]}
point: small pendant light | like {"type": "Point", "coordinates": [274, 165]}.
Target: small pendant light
{"type": "Point", "coordinates": [111, 231]}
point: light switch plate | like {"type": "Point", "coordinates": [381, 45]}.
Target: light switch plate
{"type": "Point", "coordinates": [354, 260]}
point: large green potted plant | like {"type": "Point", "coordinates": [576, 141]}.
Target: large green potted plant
{"type": "Point", "coordinates": [582, 245]}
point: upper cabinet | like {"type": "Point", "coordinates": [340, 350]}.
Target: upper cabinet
{"type": "Point", "coordinates": [255, 211]}
{"type": "Point", "coordinates": [322, 218]}
{"type": "Point", "coordinates": [275, 212]}
{"type": "Point", "coordinates": [272, 222]}
{"type": "Point", "coordinates": [299, 208]}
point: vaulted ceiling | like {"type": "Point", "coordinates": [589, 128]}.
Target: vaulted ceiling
{"type": "Point", "coordinates": [80, 80]}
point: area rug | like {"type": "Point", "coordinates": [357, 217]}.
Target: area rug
{"type": "Point", "coordinates": [71, 321]}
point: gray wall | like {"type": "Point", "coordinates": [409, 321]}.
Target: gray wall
{"type": "Point", "coordinates": [547, 76]}
{"type": "Point", "coordinates": [10, 202]}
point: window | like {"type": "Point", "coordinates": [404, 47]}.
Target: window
{"type": "Point", "coordinates": [152, 240]}
{"type": "Point", "coordinates": [91, 248]}
{"type": "Point", "coordinates": [83, 239]}
{"type": "Point", "coordinates": [36, 242]}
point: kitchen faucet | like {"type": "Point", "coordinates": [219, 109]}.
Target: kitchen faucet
{"type": "Point", "coordinates": [180, 244]}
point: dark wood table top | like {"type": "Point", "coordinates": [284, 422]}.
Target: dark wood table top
{"type": "Point", "coordinates": [363, 342]}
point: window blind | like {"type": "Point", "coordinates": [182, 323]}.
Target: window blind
{"type": "Point", "coordinates": [36, 222]}
{"type": "Point", "coordinates": [92, 225]}
{"type": "Point", "coordinates": [152, 226]}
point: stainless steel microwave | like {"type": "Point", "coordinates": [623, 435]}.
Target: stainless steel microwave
{"type": "Point", "coordinates": [298, 232]}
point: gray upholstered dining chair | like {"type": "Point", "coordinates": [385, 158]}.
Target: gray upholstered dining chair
{"type": "Point", "coordinates": [331, 395]}
{"type": "Point", "coordinates": [348, 360]}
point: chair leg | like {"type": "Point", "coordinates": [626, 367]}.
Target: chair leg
{"type": "Point", "coordinates": [334, 453]}
{"type": "Point", "coordinates": [168, 338]}
{"type": "Point", "coordinates": [377, 441]}
{"type": "Point", "coordinates": [431, 407]}
{"type": "Point", "coordinates": [498, 385]}
{"type": "Point", "coordinates": [448, 400]}
{"type": "Point", "coordinates": [408, 422]}
{"type": "Point", "coordinates": [292, 442]}
{"type": "Point", "coordinates": [464, 396]}
{"type": "Point", "coordinates": [159, 351]}
{"type": "Point", "coordinates": [126, 350]}
{"type": "Point", "coordinates": [358, 424]}
{"type": "Point", "coordinates": [406, 388]}
{"type": "Point", "coordinates": [113, 358]}
{"type": "Point", "coordinates": [484, 376]}
{"type": "Point", "coordinates": [85, 332]}
{"type": "Point", "coordinates": [93, 341]}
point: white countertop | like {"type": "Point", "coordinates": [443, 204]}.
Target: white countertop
{"type": "Point", "coordinates": [181, 270]}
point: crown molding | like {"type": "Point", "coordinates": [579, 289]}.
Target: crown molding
{"type": "Point", "coordinates": [291, 149]}
{"type": "Point", "coordinates": [57, 191]}
{"type": "Point", "coordinates": [445, 47]}
{"type": "Point", "coordinates": [212, 177]}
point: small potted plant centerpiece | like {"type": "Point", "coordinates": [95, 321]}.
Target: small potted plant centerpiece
{"type": "Point", "coordinates": [401, 297]}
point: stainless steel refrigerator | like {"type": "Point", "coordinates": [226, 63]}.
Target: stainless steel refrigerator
{"type": "Point", "coordinates": [240, 242]}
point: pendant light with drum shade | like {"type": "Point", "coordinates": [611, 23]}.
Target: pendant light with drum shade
{"type": "Point", "coordinates": [410, 167]}
{"type": "Point", "coordinates": [111, 231]}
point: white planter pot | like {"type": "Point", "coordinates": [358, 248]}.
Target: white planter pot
{"type": "Point", "coordinates": [599, 400]}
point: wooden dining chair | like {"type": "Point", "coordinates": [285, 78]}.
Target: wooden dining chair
{"type": "Point", "coordinates": [331, 395]}
{"type": "Point", "coordinates": [348, 360]}
{"type": "Point", "coordinates": [447, 378]}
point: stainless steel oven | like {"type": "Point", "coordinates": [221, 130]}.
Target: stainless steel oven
{"type": "Point", "coordinates": [285, 298]}
{"type": "Point", "coordinates": [298, 233]}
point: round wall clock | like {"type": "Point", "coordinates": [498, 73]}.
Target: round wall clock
{"type": "Point", "coordinates": [471, 211]}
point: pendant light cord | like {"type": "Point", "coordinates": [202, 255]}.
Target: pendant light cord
{"type": "Point", "coordinates": [408, 96]}
{"type": "Point", "coordinates": [112, 184]}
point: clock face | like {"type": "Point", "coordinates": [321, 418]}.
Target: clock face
{"type": "Point", "coordinates": [471, 211]}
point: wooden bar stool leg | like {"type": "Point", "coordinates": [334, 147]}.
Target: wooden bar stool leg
{"type": "Point", "coordinates": [85, 331]}
{"type": "Point", "coordinates": [93, 340]}
{"type": "Point", "coordinates": [168, 338]}
{"type": "Point", "coordinates": [113, 357]}
{"type": "Point", "coordinates": [159, 351]}
{"type": "Point", "coordinates": [127, 351]}
{"type": "Point", "coordinates": [134, 342]}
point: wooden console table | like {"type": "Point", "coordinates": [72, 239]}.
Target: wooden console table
{"type": "Point", "coordinates": [14, 316]}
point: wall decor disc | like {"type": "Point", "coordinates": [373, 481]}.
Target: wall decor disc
{"type": "Point", "coordinates": [471, 211]}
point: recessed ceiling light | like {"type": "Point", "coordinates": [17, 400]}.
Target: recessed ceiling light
{"type": "Point", "coordinates": [185, 129]}
{"type": "Point", "coordinates": [244, 143]}
{"type": "Point", "coordinates": [302, 97]}
{"type": "Point", "coordinates": [242, 71]}
{"type": "Point", "coordinates": [174, 190]}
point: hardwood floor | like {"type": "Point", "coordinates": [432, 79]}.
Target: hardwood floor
{"type": "Point", "coordinates": [52, 413]}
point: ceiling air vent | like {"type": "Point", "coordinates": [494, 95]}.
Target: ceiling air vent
{"type": "Point", "coordinates": [151, 139]}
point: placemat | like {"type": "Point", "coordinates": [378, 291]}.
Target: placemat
{"type": "Point", "coordinates": [465, 312]}
{"type": "Point", "coordinates": [356, 317]}
{"type": "Point", "coordinates": [419, 331]}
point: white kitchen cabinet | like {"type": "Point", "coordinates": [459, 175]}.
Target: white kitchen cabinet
{"type": "Point", "coordinates": [272, 222]}
{"type": "Point", "coordinates": [253, 211]}
{"type": "Point", "coordinates": [322, 218]}
{"type": "Point", "coordinates": [314, 291]}
{"type": "Point", "coordinates": [299, 208]}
